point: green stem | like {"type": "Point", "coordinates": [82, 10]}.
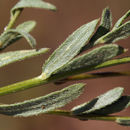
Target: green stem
{"type": "Point", "coordinates": [86, 117]}
{"type": "Point", "coordinates": [13, 19]}
{"type": "Point", "coordinates": [20, 86]}
{"type": "Point", "coordinates": [97, 75]}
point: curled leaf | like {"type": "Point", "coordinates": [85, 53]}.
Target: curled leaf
{"type": "Point", "coordinates": [9, 37]}
{"type": "Point", "coordinates": [32, 4]}
{"type": "Point", "coordinates": [13, 56]}
{"type": "Point", "coordinates": [117, 34]}
{"type": "Point", "coordinates": [91, 59]}
{"type": "Point", "coordinates": [27, 36]}
{"type": "Point", "coordinates": [43, 104]}
{"type": "Point", "coordinates": [99, 103]}
{"type": "Point", "coordinates": [70, 48]}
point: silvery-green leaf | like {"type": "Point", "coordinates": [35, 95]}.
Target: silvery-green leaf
{"type": "Point", "coordinates": [70, 48]}
{"type": "Point", "coordinates": [120, 21]}
{"type": "Point", "coordinates": [26, 26]}
{"type": "Point", "coordinates": [32, 4]}
{"type": "Point", "coordinates": [10, 37]}
{"type": "Point", "coordinates": [99, 102]}
{"type": "Point", "coordinates": [125, 121]}
{"type": "Point", "coordinates": [43, 104]}
{"type": "Point", "coordinates": [117, 106]}
{"type": "Point", "coordinates": [91, 59]}
{"type": "Point", "coordinates": [27, 36]}
{"type": "Point", "coordinates": [13, 56]}
{"type": "Point", "coordinates": [117, 34]}
{"type": "Point", "coordinates": [104, 27]}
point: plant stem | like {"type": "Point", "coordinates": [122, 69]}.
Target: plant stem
{"type": "Point", "coordinates": [20, 86]}
{"type": "Point", "coordinates": [13, 19]}
{"type": "Point", "coordinates": [97, 75]}
{"type": "Point", "coordinates": [86, 117]}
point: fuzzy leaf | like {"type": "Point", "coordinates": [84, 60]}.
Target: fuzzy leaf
{"type": "Point", "coordinates": [26, 26]}
{"type": "Point", "coordinates": [121, 20]}
{"type": "Point", "coordinates": [93, 58]}
{"type": "Point", "coordinates": [117, 106]}
{"type": "Point", "coordinates": [10, 37]}
{"type": "Point", "coordinates": [13, 56]}
{"type": "Point", "coordinates": [43, 104]}
{"type": "Point", "coordinates": [27, 36]}
{"type": "Point", "coordinates": [32, 4]}
{"type": "Point", "coordinates": [104, 27]}
{"type": "Point", "coordinates": [99, 102]}
{"type": "Point", "coordinates": [69, 49]}
{"type": "Point", "coordinates": [117, 34]}
{"type": "Point", "coordinates": [123, 121]}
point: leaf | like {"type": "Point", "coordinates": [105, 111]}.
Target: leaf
{"type": "Point", "coordinates": [123, 121]}
{"type": "Point", "coordinates": [10, 37]}
{"type": "Point", "coordinates": [99, 102]}
{"type": "Point", "coordinates": [117, 106]}
{"type": "Point", "coordinates": [69, 49]}
{"type": "Point", "coordinates": [13, 56]}
{"type": "Point", "coordinates": [27, 36]}
{"type": "Point", "coordinates": [121, 20]}
{"type": "Point", "coordinates": [43, 104]}
{"type": "Point", "coordinates": [26, 26]}
{"type": "Point", "coordinates": [32, 4]}
{"type": "Point", "coordinates": [104, 27]}
{"type": "Point", "coordinates": [90, 60]}
{"type": "Point", "coordinates": [117, 34]}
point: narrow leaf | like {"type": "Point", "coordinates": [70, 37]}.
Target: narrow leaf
{"type": "Point", "coordinates": [43, 104]}
{"type": "Point", "coordinates": [32, 4]}
{"type": "Point", "coordinates": [117, 34]}
{"type": "Point", "coordinates": [93, 58]}
{"type": "Point", "coordinates": [123, 121]}
{"type": "Point", "coordinates": [121, 20]}
{"type": "Point", "coordinates": [99, 102]}
{"type": "Point", "coordinates": [13, 56]}
{"type": "Point", "coordinates": [27, 36]}
{"type": "Point", "coordinates": [117, 106]}
{"type": "Point", "coordinates": [26, 26]}
{"type": "Point", "coordinates": [69, 49]}
{"type": "Point", "coordinates": [9, 37]}
{"type": "Point", "coordinates": [104, 27]}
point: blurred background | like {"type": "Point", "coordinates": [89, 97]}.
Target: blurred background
{"type": "Point", "coordinates": [51, 30]}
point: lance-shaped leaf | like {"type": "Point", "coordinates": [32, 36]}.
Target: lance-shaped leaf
{"type": "Point", "coordinates": [26, 26]}
{"type": "Point", "coordinates": [27, 36]}
{"type": "Point", "coordinates": [89, 60]}
{"type": "Point", "coordinates": [123, 121]}
{"type": "Point", "coordinates": [13, 56]}
{"type": "Point", "coordinates": [117, 34]}
{"type": "Point", "coordinates": [99, 102]}
{"type": "Point", "coordinates": [10, 37]}
{"type": "Point", "coordinates": [32, 4]}
{"type": "Point", "coordinates": [117, 106]}
{"type": "Point", "coordinates": [43, 104]}
{"type": "Point", "coordinates": [70, 48]}
{"type": "Point", "coordinates": [120, 21]}
{"type": "Point", "coordinates": [104, 27]}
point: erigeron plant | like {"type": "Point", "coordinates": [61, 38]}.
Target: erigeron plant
{"type": "Point", "coordinates": [65, 64]}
